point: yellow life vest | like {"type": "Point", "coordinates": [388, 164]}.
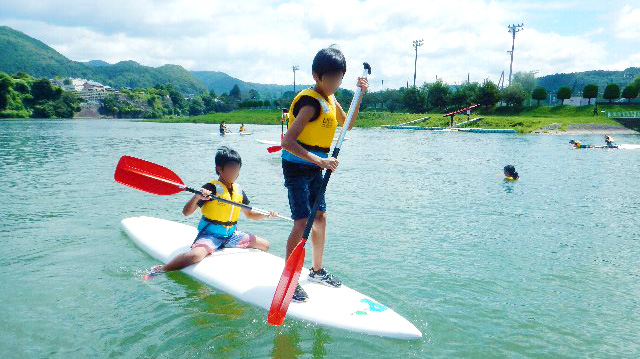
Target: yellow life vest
{"type": "Point", "coordinates": [509, 178]}
{"type": "Point", "coordinates": [319, 132]}
{"type": "Point", "coordinates": [220, 212]}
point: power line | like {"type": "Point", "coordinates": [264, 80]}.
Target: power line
{"type": "Point", "coordinates": [416, 44]}
{"type": "Point", "coordinates": [513, 29]}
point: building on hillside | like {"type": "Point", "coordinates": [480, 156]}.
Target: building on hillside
{"type": "Point", "coordinates": [88, 90]}
{"type": "Point", "coordinates": [76, 85]}
{"type": "Point", "coordinates": [93, 86]}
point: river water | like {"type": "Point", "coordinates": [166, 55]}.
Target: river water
{"type": "Point", "coordinates": [545, 267]}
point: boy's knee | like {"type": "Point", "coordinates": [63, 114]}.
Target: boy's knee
{"type": "Point", "coordinates": [265, 245]}
{"type": "Point", "coordinates": [321, 217]}
{"type": "Point", "coordinates": [197, 254]}
{"type": "Point", "coordinates": [261, 243]}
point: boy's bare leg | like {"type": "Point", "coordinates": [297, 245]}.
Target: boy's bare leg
{"type": "Point", "coordinates": [317, 237]}
{"type": "Point", "coordinates": [261, 244]}
{"type": "Point", "coordinates": [186, 259]}
{"type": "Point", "coordinates": [318, 232]}
{"type": "Point", "coordinates": [296, 234]}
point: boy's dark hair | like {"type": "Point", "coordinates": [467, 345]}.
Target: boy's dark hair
{"type": "Point", "coordinates": [227, 155]}
{"type": "Point", "coordinates": [511, 171]}
{"type": "Point", "coordinates": [329, 60]}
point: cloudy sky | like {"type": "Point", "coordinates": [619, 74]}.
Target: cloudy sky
{"type": "Point", "coordinates": [260, 40]}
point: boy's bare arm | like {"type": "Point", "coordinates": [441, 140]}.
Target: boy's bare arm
{"type": "Point", "coordinates": [192, 204]}
{"type": "Point", "coordinates": [341, 115]}
{"type": "Point", "coordinates": [254, 215]}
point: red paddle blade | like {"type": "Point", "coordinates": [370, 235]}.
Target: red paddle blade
{"type": "Point", "coordinates": [147, 176]}
{"type": "Point", "coordinates": [273, 149]}
{"type": "Point", "coordinates": [287, 285]}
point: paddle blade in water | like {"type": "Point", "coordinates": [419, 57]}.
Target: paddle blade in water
{"type": "Point", "coordinates": [287, 285]}
{"type": "Point", "coordinates": [147, 176]}
{"type": "Point", "coordinates": [273, 149]}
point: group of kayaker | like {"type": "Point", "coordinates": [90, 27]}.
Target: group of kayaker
{"type": "Point", "coordinates": [224, 130]}
{"type": "Point", "coordinates": [314, 115]}
{"type": "Point", "coordinates": [608, 140]}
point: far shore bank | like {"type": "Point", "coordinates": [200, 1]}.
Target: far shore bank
{"type": "Point", "coordinates": [537, 120]}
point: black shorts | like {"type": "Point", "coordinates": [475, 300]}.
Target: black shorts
{"type": "Point", "coordinates": [303, 183]}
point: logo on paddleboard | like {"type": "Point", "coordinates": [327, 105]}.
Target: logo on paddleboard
{"type": "Point", "coordinates": [372, 306]}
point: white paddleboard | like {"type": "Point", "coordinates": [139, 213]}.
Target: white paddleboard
{"type": "Point", "coordinates": [275, 143]}
{"type": "Point", "coordinates": [629, 146]}
{"type": "Point", "coordinates": [233, 133]}
{"type": "Point", "coordinates": [251, 275]}
{"type": "Point", "coordinates": [267, 142]}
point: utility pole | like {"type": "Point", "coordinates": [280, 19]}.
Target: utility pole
{"type": "Point", "coordinates": [513, 29]}
{"type": "Point", "coordinates": [416, 44]}
{"type": "Point", "coordinates": [295, 68]}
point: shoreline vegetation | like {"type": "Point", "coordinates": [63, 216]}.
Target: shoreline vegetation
{"type": "Point", "coordinates": [561, 119]}
{"type": "Point", "coordinates": [514, 107]}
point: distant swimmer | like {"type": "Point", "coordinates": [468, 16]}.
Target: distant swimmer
{"type": "Point", "coordinates": [510, 173]}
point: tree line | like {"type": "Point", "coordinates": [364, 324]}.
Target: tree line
{"type": "Point", "coordinates": [25, 96]}
{"type": "Point", "coordinates": [439, 96]}
{"type": "Point", "coordinates": [22, 95]}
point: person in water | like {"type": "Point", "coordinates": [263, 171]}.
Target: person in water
{"type": "Point", "coordinates": [242, 129]}
{"type": "Point", "coordinates": [218, 225]}
{"type": "Point", "coordinates": [510, 173]}
{"type": "Point", "coordinates": [608, 140]}
{"type": "Point", "coordinates": [313, 117]}
{"type": "Point", "coordinates": [223, 128]}
{"type": "Point", "coordinates": [578, 144]}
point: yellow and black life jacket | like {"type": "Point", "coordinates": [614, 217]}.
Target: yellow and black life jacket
{"type": "Point", "coordinates": [317, 135]}
{"type": "Point", "coordinates": [221, 213]}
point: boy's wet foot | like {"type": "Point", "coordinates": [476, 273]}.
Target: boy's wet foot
{"type": "Point", "coordinates": [323, 277]}
{"type": "Point", "coordinates": [154, 271]}
{"type": "Point", "coordinates": [300, 296]}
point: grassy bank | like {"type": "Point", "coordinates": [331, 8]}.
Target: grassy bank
{"type": "Point", "coordinates": [272, 117]}
{"type": "Point", "coordinates": [523, 120]}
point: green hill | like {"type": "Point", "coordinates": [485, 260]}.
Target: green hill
{"type": "Point", "coordinates": [22, 53]}
{"type": "Point", "coordinates": [132, 74]}
{"type": "Point", "coordinates": [221, 82]}
{"type": "Point", "coordinates": [577, 80]}
{"type": "Point", "coordinates": [96, 63]}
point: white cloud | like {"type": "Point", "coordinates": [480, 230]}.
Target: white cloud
{"type": "Point", "coordinates": [257, 41]}
{"type": "Point", "coordinates": [628, 24]}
